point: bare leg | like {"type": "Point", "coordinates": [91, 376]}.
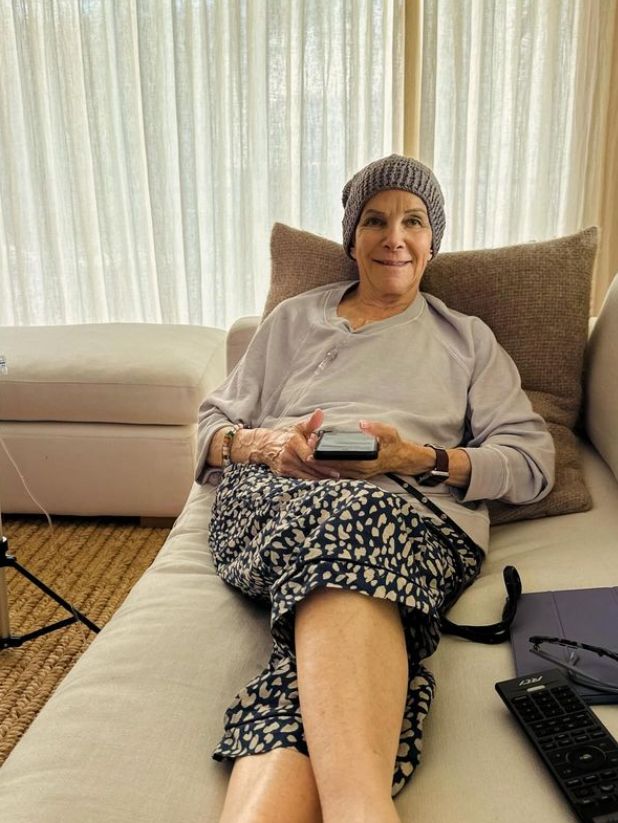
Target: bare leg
{"type": "Point", "coordinates": [275, 787]}
{"type": "Point", "coordinates": [352, 678]}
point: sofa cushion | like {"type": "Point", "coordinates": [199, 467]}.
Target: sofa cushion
{"type": "Point", "coordinates": [128, 735]}
{"type": "Point", "coordinates": [110, 372]}
{"type": "Point", "coordinates": [602, 380]}
{"type": "Point", "coordinates": [534, 296]}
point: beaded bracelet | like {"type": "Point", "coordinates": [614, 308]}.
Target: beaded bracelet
{"type": "Point", "coordinates": [226, 445]}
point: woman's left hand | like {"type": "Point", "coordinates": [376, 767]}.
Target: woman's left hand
{"type": "Point", "coordinates": [394, 454]}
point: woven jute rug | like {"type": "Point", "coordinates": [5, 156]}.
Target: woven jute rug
{"type": "Point", "coordinates": [92, 565]}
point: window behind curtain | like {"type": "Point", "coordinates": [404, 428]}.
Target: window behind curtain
{"type": "Point", "coordinates": [508, 115]}
{"type": "Point", "coordinates": [146, 148]}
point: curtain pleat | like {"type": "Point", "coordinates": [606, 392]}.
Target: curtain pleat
{"type": "Point", "coordinates": [146, 148]}
{"type": "Point", "coordinates": [511, 121]}
{"type": "Point", "coordinates": [602, 191]}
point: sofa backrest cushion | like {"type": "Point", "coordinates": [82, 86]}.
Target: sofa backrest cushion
{"type": "Point", "coordinates": [601, 383]}
{"type": "Point", "coordinates": [535, 297]}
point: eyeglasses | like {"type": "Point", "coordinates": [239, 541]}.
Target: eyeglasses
{"type": "Point", "coordinates": [581, 660]}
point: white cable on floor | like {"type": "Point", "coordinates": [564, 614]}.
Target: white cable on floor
{"type": "Point", "coordinates": [49, 520]}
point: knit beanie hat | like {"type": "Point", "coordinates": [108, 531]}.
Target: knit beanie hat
{"type": "Point", "coordinates": [393, 172]}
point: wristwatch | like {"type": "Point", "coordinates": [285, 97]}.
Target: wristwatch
{"type": "Point", "coordinates": [439, 473]}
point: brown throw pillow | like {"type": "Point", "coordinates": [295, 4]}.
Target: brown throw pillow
{"type": "Point", "coordinates": [535, 298]}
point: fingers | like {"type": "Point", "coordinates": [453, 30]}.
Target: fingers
{"type": "Point", "coordinates": [306, 471]}
{"type": "Point", "coordinates": [353, 469]}
{"type": "Point", "coordinates": [302, 448]}
{"type": "Point", "coordinates": [379, 430]}
{"type": "Point", "coordinates": [307, 427]}
{"type": "Point", "coordinates": [309, 473]}
{"type": "Point", "coordinates": [296, 460]}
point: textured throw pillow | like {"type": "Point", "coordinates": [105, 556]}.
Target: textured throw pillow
{"type": "Point", "coordinates": [535, 297]}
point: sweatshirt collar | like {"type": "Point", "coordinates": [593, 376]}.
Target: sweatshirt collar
{"type": "Point", "coordinates": [335, 295]}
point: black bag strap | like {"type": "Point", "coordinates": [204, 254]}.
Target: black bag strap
{"type": "Point", "coordinates": [426, 502]}
{"type": "Point", "coordinates": [490, 634]}
{"type": "Point", "coordinates": [494, 632]}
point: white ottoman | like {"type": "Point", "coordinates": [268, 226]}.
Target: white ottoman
{"type": "Point", "coordinates": [101, 419]}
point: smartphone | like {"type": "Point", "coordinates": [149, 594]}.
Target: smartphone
{"type": "Point", "coordinates": [346, 445]}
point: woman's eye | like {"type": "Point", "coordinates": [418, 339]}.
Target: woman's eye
{"type": "Point", "coordinates": [372, 221]}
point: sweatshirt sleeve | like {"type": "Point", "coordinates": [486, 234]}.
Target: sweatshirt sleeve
{"type": "Point", "coordinates": [238, 399]}
{"type": "Point", "coordinates": [511, 451]}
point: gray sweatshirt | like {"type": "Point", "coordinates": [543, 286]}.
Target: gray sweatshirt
{"type": "Point", "coordinates": [437, 375]}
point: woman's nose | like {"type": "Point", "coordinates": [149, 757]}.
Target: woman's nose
{"type": "Point", "coordinates": [393, 238]}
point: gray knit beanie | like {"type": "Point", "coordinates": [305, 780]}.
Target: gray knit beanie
{"type": "Point", "coordinates": [393, 172]}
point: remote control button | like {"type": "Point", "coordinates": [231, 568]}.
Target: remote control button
{"type": "Point", "coordinates": [557, 758]}
{"type": "Point", "coordinates": [574, 782]}
{"type": "Point", "coordinates": [529, 715]}
{"type": "Point", "coordinates": [609, 773]}
{"type": "Point", "coordinates": [586, 757]}
{"type": "Point", "coordinates": [547, 704]}
{"type": "Point", "coordinates": [542, 729]}
{"type": "Point", "coordinates": [585, 792]}
{"type": "Point", "coordinates": [569, 704]}
{"type": "Point", "coordinates": [606, 788]}
{"type": "Point", "coordinates": [582, 737]}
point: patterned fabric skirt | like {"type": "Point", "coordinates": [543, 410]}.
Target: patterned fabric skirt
{"type": "Point", "coordinates": [277, 538]}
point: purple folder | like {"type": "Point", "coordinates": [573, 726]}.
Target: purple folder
{"type": "Point", "coordinates": [587, 615]}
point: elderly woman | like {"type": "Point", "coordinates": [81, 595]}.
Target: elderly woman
{"type": "Point", "coordinates": [358, 568]}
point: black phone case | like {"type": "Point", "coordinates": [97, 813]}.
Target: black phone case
{"type": "Point", "coordinates": [344, 454]}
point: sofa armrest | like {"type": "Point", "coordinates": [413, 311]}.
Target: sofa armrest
{"type": "Point", "coordinates": [238, 338]}
{"type": "Point", "coordinates": [601, 381]}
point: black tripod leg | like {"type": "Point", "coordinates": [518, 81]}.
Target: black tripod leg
{"type": "Point", "coordinates": [8, 560]}
{"type": "Point", "coordinates": [82, 618]}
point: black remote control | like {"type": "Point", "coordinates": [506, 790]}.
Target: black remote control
{"type": "Point", "coordinates": [576, 747]}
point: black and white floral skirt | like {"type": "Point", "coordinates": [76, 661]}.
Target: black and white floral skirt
{"type": "Point", "coordinates": [277, 538]}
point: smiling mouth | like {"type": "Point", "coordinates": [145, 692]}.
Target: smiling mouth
{"type": "Point", "coordinates": [396, 264]}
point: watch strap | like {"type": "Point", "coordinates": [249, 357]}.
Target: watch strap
{"type": "Point", "coordinates": [439, 473]}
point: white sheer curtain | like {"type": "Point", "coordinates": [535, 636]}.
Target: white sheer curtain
{"type": "Point", "coordinates": [510, 114]}
{"type": "Point", "coordinates": [147, 146]}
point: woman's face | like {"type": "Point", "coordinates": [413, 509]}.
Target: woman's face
{"type": "Point", "coordinates": [392, 244]}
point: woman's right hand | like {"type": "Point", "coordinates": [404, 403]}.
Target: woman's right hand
{"type": "Point", "coordinates": [286, 451]}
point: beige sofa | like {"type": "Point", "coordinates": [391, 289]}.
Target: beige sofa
{"type": "Point", "coordinates": [128, 735]}
{"type": "Point", "coordinates": [79, 401]}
